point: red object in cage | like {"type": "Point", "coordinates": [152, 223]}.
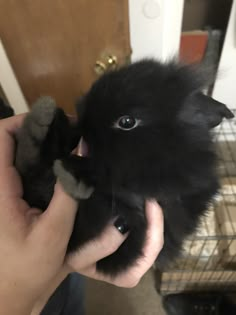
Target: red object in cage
{"type": "Point", "coordinates": [193, 46]}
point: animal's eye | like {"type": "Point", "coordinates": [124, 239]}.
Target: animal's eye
{"type": "Point", "coordinates": [126, 123]}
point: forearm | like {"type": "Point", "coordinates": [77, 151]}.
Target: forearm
{"type": "Point", "coordinates": [12, 303]}
{"type": "Point", "coordinates": [14, 307]}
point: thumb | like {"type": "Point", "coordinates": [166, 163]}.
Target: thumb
{"type": "Point", "coordinates": [60, 214]}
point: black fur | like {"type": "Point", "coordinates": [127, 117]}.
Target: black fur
{"type": "Point", "coordinates": [169, 157]}
{"type": "Point", "coordinates": [5, 110]}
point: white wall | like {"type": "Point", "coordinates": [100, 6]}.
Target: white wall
{"type": "Point", "coordinates": [155, 27]}
{"type": "Point", "coordinates": [225, 87]}
{"type": "Point", "coordinates": [10, 84]}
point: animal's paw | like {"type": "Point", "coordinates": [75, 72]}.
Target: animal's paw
{"type": "Point", "coordinates": [76, 189]}
{"type": "Point", "coordinates": [41, 117]}
{"type": "Point", "coordinates": [33, 132]}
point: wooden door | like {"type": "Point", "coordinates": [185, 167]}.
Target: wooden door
{"type": "Point", "coordinates": [53, 45]}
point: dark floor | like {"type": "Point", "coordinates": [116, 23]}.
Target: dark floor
{"type": "Point", "coordinates": [105, 299]}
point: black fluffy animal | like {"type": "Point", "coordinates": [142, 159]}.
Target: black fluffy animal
{"type": "Point", "coordinates": [147, 127]}
{"type": "Point", "coordinates": [5, 110]}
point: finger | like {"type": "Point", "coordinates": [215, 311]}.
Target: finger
{"type": "Point", "coordinates": [59, 217]}
{"type": "Point", "coordinates": [154, 238]}
{"type": "Point", "coordinates": [10, 183]}
{"type": "Point", "coordinates": [8, 129]}
{"type": "Point", "coordinates": [152, 247]}
{"type": "Point", "coordinates": [104, 245]}
{"type": "Point", "coordinates": [155, 232]}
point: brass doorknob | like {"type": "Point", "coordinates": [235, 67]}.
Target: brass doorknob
{"type": "Point", "coordinates": [109, 63]}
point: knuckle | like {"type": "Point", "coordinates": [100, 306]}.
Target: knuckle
{"type": "Point", "coordinates": [108, 246]}
{"type": "Point", "coordinates": [111, 247]}
{"type": "Point", "coordinates": [109, 241]}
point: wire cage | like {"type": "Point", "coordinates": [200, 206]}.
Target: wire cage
{"type": "Point", "coordinates": [208, 261]}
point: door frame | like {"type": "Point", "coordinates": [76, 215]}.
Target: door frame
{"type": "Point", "coordinates": [155, 28]}
{"type": "Point", "coordinates": [10, 85]}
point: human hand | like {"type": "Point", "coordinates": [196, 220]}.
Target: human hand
{"type": "Point", "coordinates": [107, 245]}
{"type": "Point", "coordinates": [33, 244]}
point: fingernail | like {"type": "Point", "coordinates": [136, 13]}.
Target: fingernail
{"type": "Point", "coordinates": [121, 225]}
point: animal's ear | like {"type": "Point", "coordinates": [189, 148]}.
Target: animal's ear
{"type": "Point", "coordinates": [203, 109]}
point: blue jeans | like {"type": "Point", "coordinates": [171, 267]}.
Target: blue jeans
{"type": "Point", "coordinates": [68, 299]}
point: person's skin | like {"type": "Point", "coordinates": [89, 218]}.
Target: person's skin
{"type": "Point", "coordinates": [33, 244]}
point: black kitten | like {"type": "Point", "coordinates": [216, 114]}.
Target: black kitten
{"type": "Point", "coordinates": [147, 127]}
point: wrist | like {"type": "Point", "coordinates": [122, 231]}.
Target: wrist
{"type": "Point", "coordinates": [14, 308]}
{"type": "Point", "coordinates": [14, 299]}
{"type": "Point", "coordinates": [13, 302]}
{"type": "Point", "coordinates": [43, 299]}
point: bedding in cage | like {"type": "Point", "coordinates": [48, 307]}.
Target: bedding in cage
{"type": "Point", "coordinates": [208, 261]}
